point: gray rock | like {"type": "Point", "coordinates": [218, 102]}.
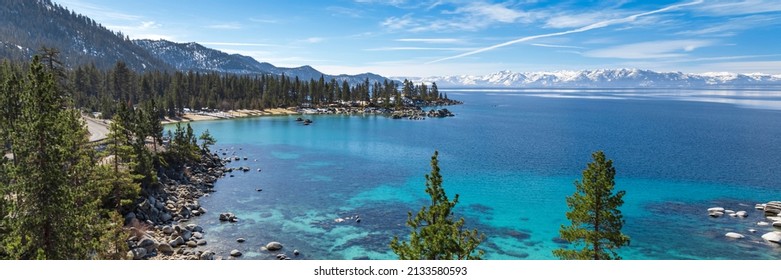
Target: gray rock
{"type": "Point", "coordinates": [192, 244]}
{"type": "Point", "coordinates": [296, 252]}
{"type": "Point", "coordinates": [235, 253]}
{"type": "Point", "coordinates": [763, 224]}
{"type": "Point", "coordinates": [202, 210]}
{"type": "Point", "coordinates": [187, 235]}
{"type": "Point", "coordinates": [240, 240]}
{"type": "Point", "coordinates": [759, 206]}
{"type": "Point", "coordinates": [138, 253]}
{"type": "Point", "coordinates": [207, 255]}
{"type": "Point", "coordinates": [201, 242]}
{"type": "Point", "coordinates": [165, 248]}
{"type": "Point", "coordinates": [716, 209]}
{"type": "Point", "coordinates": [148, 244]}
{"type": "Point", "coordinates": [176, 242]}
{"type": "Point", "coordinates": [777, 224]}
{"type": "Point", "coordinates": [190, 227]}
{"type": "Point", "coordinates": [197, 229]}
{"type": "Point", "coordinates": [168, 230]}
{"type": "Point", "coordinates": [734, 235]}
{"type": "Point", "coordinates": [772, 208]}
{"type": "Point", "coordinates": [197, 235]}
{"type": "Point", "coordinates": [196, 213]}
{"type": "Point", "coordinates": [274, 246]}
{"type": "Point", "coordinates": [741, 214]}
{"type": "Point", "coordinates": [715, 214]}
{"type": "Point", "coordinates": [773, 236]}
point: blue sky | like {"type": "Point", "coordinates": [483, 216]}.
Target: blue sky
{"type": "Point", "coordinates": [452, 37]}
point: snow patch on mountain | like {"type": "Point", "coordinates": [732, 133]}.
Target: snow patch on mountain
{"type": "Point", "coordinates": [604, 78]}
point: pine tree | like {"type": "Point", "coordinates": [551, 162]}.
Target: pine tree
{"type": "Point", "coordinates": [596, 220]}
{"type": "Point", "coordinates": [206, 140]}
{"type": "Point", "coordinates": [436, 234]}
{"type": "Point", "coordinates": [120, 157]}
{"type": "Point", "coordinates": [49, 143]}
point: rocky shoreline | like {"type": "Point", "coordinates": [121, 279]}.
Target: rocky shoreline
{"type": "Point", "coordinates": [411, 110]}
{"type": "Point", "coordinates": [158, 225]}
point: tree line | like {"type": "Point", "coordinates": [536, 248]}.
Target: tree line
{"type": "Point", "coordinates": [95, 90]}
{"type": "Point", "coordinates": [60, 198]}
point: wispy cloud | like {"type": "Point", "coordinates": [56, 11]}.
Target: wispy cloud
{"type": "Point", "coordinates": [742, 7]}
{"type": "Point", "coordinates": [597, 25]}
{"type": "Point", "coordinates": [343, 11]}
{"type": "Point", "coordinates": [731, 26]}
{"type": "Point", "coordinates": [416, 49]}
{"type": "Point", "coordinates": [227, 25]}
{"type": "Point", "coordinates": [431, 40]}
{"type": "Point", "coordinates": [556, 46]}
{"type": "Point", "coordinates": [648, 50]}
{"type": "Point", "coordinates": [314, 40]}
{"type": "Point", "coordinates": [473, 16]}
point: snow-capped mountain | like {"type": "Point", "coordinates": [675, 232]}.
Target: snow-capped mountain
{"type": "Point", "coordinates": [604, 78]}
{"type": "Point", "coordinates": [195, 57]}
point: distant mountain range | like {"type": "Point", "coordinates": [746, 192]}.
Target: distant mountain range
{"type": "Point", "coordinates": [604, 78]}
{"type": "Point", "coordinates": [28, 25]}
{"type": "Point", "coordinates": [195, 57]}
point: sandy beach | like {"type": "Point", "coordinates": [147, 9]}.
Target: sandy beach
{"type": "Point", "coordinates": [189, 117]}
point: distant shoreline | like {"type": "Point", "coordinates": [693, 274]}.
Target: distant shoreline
{"type": "Point", "coordinates": [232, 114]}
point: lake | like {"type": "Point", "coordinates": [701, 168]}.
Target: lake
{"type": "Point", "coordinates": [512, 156]}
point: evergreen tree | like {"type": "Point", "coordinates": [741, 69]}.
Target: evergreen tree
{"type": "Point", "coordinates": [596, 220]}
{"type": "Point", "coordinates": [207, 140]}
{"type": "Point", "coordinates": [49, 209]}
{"type": "Point", "coordinates": [436, 234]}
{"type": "Point", "coordinates": [121, 160]}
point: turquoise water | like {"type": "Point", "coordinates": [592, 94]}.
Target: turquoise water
{"type": "Point", "coordinates": [512, 156]}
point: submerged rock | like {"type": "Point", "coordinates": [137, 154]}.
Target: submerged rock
{"type": "Point", "coordinates": [734, 235]}
{"type": "Point", "coordinates": [773, 236]}
{"type": "Point", "coordinates": [274, 246]}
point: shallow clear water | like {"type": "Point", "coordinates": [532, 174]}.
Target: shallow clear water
{"type": "Point", "coordinates": [512, 156]}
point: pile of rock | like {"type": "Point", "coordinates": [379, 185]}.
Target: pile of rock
{"type": "Point", "coordinates": [772, 216]}
{"type": "Point", "coordinates": [228, 217]}
{"type": "Point", "coordinates": [168, 242]}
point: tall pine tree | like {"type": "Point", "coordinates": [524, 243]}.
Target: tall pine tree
{"type": "Point", "coordinates": [436, 234]}
{"type": "Point", "coordinates": [596, 220]}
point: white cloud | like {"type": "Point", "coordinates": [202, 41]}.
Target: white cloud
{"type": "Point", "coordinates": [314, 40]}
{"type": "Point", "coordinates": [729, 27]}
{"type": "Point", "coordinates": [597, 25]}
{"type": "Point", "coordinates": [416, 49]}
{"type": "Point", "coordinates": [227, 25]}
{"type": "Point", "coordinates": [431, 40]}
{"type": "Point", "coordinates": [342, 11]}
{"type": "Point", "coordinates": [742, 7]}
{"type": "Point", "coordinates": [473, 16]}
{"type": "Point", "coordinates": [649, 50]}
{"type": "Point", "coordinates": [556, 46]}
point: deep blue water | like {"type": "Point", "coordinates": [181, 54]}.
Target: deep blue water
{"type": "Point", "coordinates": [512, 156]}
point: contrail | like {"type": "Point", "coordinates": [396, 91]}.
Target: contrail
{"type": "Point", "coordinates": [597, 25]}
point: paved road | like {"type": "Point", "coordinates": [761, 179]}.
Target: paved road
{"type": "Point", "coordinates": [98, 130]}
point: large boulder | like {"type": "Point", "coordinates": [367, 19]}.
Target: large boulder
{"type": "Point", "coordinates": [176, 242]}
{"type": "Point", "coordinates": [147, 243]}
{"type": "Point", "coordinates": [773, 236]}
{"type": "Point", "coordinates": [772, 208]}
{"type": "Point", "coordinates": [274, 246]}
{"type": "Point", "coordinates": [165, 248]}
{"type": "Point", "coordinates": [137, 253]}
